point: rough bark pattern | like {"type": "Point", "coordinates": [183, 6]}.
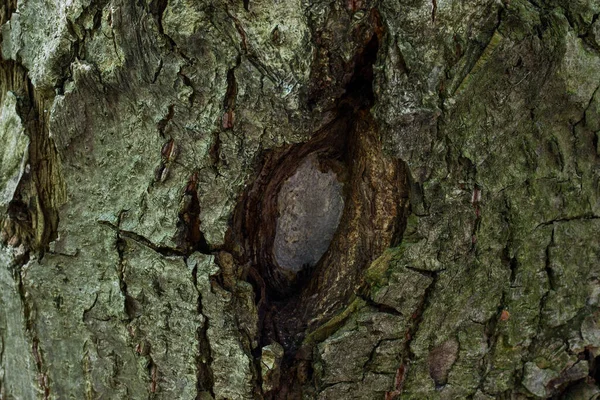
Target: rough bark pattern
{"type": "Point", "coordinates": [144, 144]}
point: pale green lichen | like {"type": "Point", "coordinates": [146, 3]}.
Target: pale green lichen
{"type": "Point", "coordinates": [14, 152]}
{"type": "Point", "coordinates": [18, 372]}
{"type": "Point", "coordinates": [38, 36]}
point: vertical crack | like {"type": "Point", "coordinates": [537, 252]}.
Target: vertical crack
{"type": "Point", "coordinates": [204, 376]}
{"type": "Point", "coordinates": [32, 216]}
{"type": "Point", "coordinates": [230, 97]}
{"type": "Point", "coordinates": [543, 300]}
{"type": "Point", "coordinates": [153, 372]}
{"type": "Point", "coordinates": [373, 216]}
{"type": "Point", "coordinates": [129, 304]}
{"type": "Point", "coordinates": [547, 264]}
{"type": "Point", "coordinates": [2, 391]}
{"type": "Point", "coordinates": [28, 316]}
{"type": "Point", "coordinates": [162, 124]}
{"type": "Point", "coordinates": [407, 355]}
{"type": "Point", "coordinates": [189, 236]}
{"type": "Point", "coordinates": [41, 190]}
{"type": "Point", "coordinates": [157, 8]}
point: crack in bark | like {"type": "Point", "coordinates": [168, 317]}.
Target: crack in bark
{"type": "Point", "coordinates": [542, 304]}
{"type": "Point", "coordinates": [575, 139]}
{"type": "Point", "coordinates": [265, 70]}
{"type": "Point", "coordinates": [369, 360]}
{"type": "Point", "coordinates": [153, 373]}
{"type": "Point", "coordinates": [382, 308]}
{"type": "Point", "coordinates": [30, 330]}
{"type": "Point", "coordinates": [162, 124]}
{"type": "Point", "coordinates": [204, 376]}
{"type": "Point", "coordinates": [547, 265]}
{"type": "Point", "coordinates": [492, 324]}
{"type": "Point", "coordinates": [2, 392]}
{"type": "Point", "coordinates": [229, 101]}
{"type": "Point", "coordinates": [585, 217]}
{"type": "Point", "coordinates": [189, 237]}
{"type": "Point", "coordinates": [163, 250]}
{"type": "Point", "coordinates": [188, 82]}
{"type": "Point", "coordinates": [486, 51]}
{"type": "Point", "coordinates": [120, 246]}
{"type": "Point", "coordinates": [39, 188]}
{"type": "Point", "coordinates": [86, 311]}
{"type": "Point", "coordinates": [407, 355]}
{"type": "Point", "coordinates": [42, 188]}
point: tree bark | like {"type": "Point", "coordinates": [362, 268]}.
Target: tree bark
{"type": "Point", "coordinates": [171, 170]}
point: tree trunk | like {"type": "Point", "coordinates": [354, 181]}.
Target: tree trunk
{"type": "Point", "coordinates": [314, 199]}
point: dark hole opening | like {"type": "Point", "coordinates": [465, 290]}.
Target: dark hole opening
{"type": "Point", "coordinates": [360, 193]}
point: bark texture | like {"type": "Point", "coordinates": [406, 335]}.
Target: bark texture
{"type": "Point", "coordinates": [144, 146]}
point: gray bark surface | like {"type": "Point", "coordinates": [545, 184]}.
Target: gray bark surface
{"type": "Point", "coordinates": [144, 146]}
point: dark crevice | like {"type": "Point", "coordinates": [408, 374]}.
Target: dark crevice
{"type": "Point", "coordinates": [359, 93]}
{"type": "Point", "coordinates": [375, 194]}
{"type": "Point", "coordinates": [476, 202]}
{"type": "Point", "coordinates": [165, 251]}
{"type": "Point", "coordinates": [204, 376]}
{"type": "Point", "coordinates": [588, 216]}
{"type": "Point", "coordinates": [215, 152]}
{"type": "Point", "coordinates": [158, 71]}
{"type": "Point", "coordinates": [40, 189]}
{"type": "Point", "coordinates": [32, 219]}
{"type": "Point", "coordinates": [162, 124]}
{"type": "Point", "coordinates": [17, 227]}
{"type": "Point", "coordinates": [369, 361]}
{"type": "Point", "coordinates": [382, 308]}
{"type": "Point", "coordinates": [425, 272]}
{"type": "Point", "coordinates": [491, 339]}
{"type": "Point", "coordinates": [58, 303]}
{"type": "Point", "coordinates": [2, 344]}
{"type": "Point", "coordinates": [594, 361]}
{"type": "Point", "coordinates": [513, 270]}
{"type": "Point", "coordinates": [407, 355]}
{"type": "Point", "coordinates": [562, 386]}
{"type": "Point", "coordinates": [168, 156]}
{"type": "Point", "coordinates": [242, 33]}
{"type": "Point", "coordinates": [230, 97]}
{"type": "Point", "coordinates": [30, 328]}
{"type": "Point", "coordinates": [130, 305]}
{"type": "Point", "coordinates": [6, 10]}
{"type": "Point", "coordinates": [189, 237]}
{"type": "Point", "coordinates": [543, 300]}
{"type": "Point", "coordinates": [188, 82]}
{"type": "Point", "coordinates": [153, 373]}
{"type": "Point", "coordinates": [402, 66]}
{"type": "Point", "coordinates": [479, 49]}
{"type": "Point", "coordinates": [157, 8]}
{"type": "Point", "coordinates": [417, 318]}
{"type": "Point", "coordinates": [548, 266]}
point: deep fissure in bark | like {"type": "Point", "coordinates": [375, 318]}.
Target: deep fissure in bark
{"type": "Point", "coordinates": [204, 376]}
{"type": "Point", "coordinates": [189, 236]}
{"type": "Point", "coordinates": [375, 204]}
{"type": "Point", "coordinates": [32, 218]}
